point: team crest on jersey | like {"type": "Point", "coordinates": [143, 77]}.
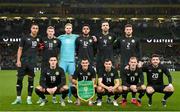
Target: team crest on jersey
{"type": "Point", "coordinates": [128, 74]}
{"type": "Point", "coordinates": [45, 41]}
{"type": "Point", "coordinates": [112, 74]}
{"type": "Point", "coordinates": [90, 40]}
{"type": "Point", "coordinates": [123, 40]}
{"type": "Point", "coordinates": [28, 39]}
{"type": "Point", "coordinates": [104, 74]}
{"type": "Point", "coordinates": [88, 73]}
{"type": "Point", "coordinates": [159, 70]}
{"type": "Point", "coordinates": [133, 41]}
{"type": "Point", "coordinates": [110, 37]}
{"type": "Point", "coordinates": [55, 41]}
{"type": "Point", "coordinates": [136, 74]}
{"type": "Point", "coordinates": [150, 70]}
{"type": "Point", "coordinates": [48, 73]}
{"type": "Point", "coordinates": [57, 73]}
{"type": "Point", "coordinates": [80, 73]}
{"type": "Point", "coordinates": [100, 37]}
{"type": "Point", "coordinates": [37, 39]}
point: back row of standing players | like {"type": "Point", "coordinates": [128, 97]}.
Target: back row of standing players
{"type": "Point", "coordinates": [85, 46]}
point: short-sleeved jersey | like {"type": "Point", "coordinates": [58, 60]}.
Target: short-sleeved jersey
{"type": "Point", "coordinates": [30, 48]}
{"type": "Point", "coordinates": [85, 48]}
{"type": "Point", "coordinates": [81, 74]}
{"type": "Point", "coordinates": [67, 51]}
{"type": "Point", "coordinates": [155, 75]}
{"type": "Point", "coordinates": [128, 47]}
{"type": "Point", "coordinates": [130, 77]}
{"type": "Point", "coordinates": [53, 77]}
{"type": "Point", "coordinates": [105, 46]}
{"type": "Point", "coordinates": [108, 77]}
{"type": "Point", "coordinates": [51, 48]}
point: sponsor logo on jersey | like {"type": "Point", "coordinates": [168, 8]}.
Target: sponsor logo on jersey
{"type": "Point", "coordinates": [159, 70]}
{"type": "Point", "coordinates": [37, 39]}
{"type": "Point", "coordinates": [110, 37]}
{"type": "Point", "coordinates": [133, 41]}
{"type": "Point", "coordinates": [90, 40]}
{"type": "Point", "coordinates": [57, 73]}
{"type": "Point", "coordinates": [136, 74]}
{"type": "Point", "coordinates": [55, 41]}
{"type": "Point", "coordinates": [88, 73]}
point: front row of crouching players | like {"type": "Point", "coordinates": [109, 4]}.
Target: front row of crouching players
{"type": "Point", "coordinates": [53, 81]}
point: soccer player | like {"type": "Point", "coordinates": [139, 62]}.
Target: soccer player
{"type": "Point", "coordinates": [155, 82]}
{"type": "Point", "coordinates": [26, 61]}
{"type": "Point", "coordinates": [67, 53]}
{"type": "Point", "coordinates": [104, 45]}
{"type": "Point", "coordinates": [85, 45]}
{"type": "Point", "coordinates": [86, 73]}
{"type": "Point", "coordinates": [108, 83]}
{"type": "Point", "coordinates": [50, 47]}
{"type": "Point", "coordinates": [133, 80]}
{"type": "Point", "coordinates": [53, 81]}
{"type": "Point", "coordinates": [128, 45]}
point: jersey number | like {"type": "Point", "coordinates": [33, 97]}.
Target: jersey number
{"type": "Point", "coordinates": [108, 80]}
{"type": "Point", "coordinates": [53, 78]}
{"type": "Point", "coordinates": [132, 78]}
{"type": "Point", "coordinates": [155, 75]}
{"type": "Point", "coordinates": [85, 78]}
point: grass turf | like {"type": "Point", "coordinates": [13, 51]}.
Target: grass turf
{"type": "Point", "coordinates": [8, 95]}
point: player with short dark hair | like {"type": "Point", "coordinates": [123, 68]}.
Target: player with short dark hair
{"type": "Point", "coordinates": [85, 45]}
{"type": "Point", "coordinates": [105, 42]}
{"type": "Point", "coordinates": [86, 73]}
{"type": "Point", "coordinates": [155, 83]}
{"type": "Point", "coordinates": [50, 47]}
{"type": "Point", "coordinates": [26, 61]}
{"type": "Point", "coordinates": [128, 45]}
{"type": "Point", "coordinates": [53, 81]}
{"type": "Point", "coordinates": [133, 81]}
{"type": "Point", "coordinates": [108, 83]}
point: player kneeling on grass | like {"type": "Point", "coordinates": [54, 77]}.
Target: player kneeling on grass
{"type": "Point", "coordinates": [53, 81]}
{"type": "Point", "coordinates": [108, 83]}
{"type": "Point", "coordinates": [133, 80]}
{"type": "Point", "coordinates": [155, 81]}
{"type": "Point", "coordinates": [83, 73]}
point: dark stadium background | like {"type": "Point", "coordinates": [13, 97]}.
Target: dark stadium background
{"type": "Point", "coordinates": [155, 22]}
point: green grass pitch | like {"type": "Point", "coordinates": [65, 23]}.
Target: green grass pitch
{"type": "Point", "coordinates": [8, 94]}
